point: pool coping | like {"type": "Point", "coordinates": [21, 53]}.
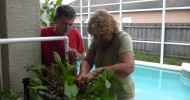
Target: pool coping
{"type": "Point", "coordinates": [186, 66]}
{"type": "Point", "coordinates": [186, 69]}
{"type": "Point", "coordinates": [161, 66]}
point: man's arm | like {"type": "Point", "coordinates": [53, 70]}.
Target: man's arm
{"type": "Point", "coordinates": [80, 56]}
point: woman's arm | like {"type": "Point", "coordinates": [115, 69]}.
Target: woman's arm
{"type": "Point", "coordinates": [87, 63]}
{"type": "Point", "coordinates": [123, 68]}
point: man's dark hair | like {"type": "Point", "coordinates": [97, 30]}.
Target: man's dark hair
{"type": "Point", "coordinates": [65, 11]}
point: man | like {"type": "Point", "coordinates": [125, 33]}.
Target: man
{"type": "Point", "coordinates": [64, 18]}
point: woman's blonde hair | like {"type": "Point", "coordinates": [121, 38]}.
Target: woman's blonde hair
{"type": "Point", "coordinates": [102, 22]}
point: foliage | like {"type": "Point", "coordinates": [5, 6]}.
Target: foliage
{"type": "Point", "coordinates": [62, 85]}
{"type": "Point", "coordinates": [49, 7]}
{"type": "Point", "coordinates": [10, 95]}
{"type": "Point", "coordinates": [101, 88]}
{"type": "Point", "coordinates": [156, 58]}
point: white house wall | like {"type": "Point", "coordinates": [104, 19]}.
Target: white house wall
{"type": "Point", "coordinates": [172, 16]}
{"type": "Point", "coordinates": [22, 19]}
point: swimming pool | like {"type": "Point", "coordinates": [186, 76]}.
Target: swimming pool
{"type": "Point", "coordinates": [159, 84]}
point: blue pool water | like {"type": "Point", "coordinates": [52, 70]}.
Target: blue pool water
{"type": "Point", "coordinates": [159, 84]}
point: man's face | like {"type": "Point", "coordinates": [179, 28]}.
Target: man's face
{"type": "Point", "coordinates": [64, 25]}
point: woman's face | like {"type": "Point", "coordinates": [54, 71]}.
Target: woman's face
{"type": "Point", "coordinates": [104, 39]}
{"type": "Point", "coordinates": [64, 25]}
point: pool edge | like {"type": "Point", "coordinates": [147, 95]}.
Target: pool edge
{"type": "Point", "coordinates": [161, 66]}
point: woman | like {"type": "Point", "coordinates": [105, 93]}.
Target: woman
{"type": "Point", "coordinates": [110, 48]}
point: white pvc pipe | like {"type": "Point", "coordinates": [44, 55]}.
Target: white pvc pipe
{"type": "Point", "coordinates": [31, 39]}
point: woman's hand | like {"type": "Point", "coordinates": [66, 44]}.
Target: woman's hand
{"type": "Point", "coordinates": [80, 84]}
{"type": "Point", "coordinates": [83, 80]}
{"type": "Point", "coordinates": [88, 76]}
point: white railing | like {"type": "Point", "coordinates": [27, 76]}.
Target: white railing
{"type": "Point", "coordinates": [30, 39]}
{"type": "Point", "coordinates": [120, 19]}
{"type": "Point", "coordinates": [120, 11]}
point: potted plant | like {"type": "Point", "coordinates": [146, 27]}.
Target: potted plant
{"type": "Point", "coordinates": [63, 85]}
{"type": "Point", "coordinates": [102, 87]}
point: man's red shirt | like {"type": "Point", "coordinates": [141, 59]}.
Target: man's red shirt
{"type": "Point", "coordinates": [48, 47]}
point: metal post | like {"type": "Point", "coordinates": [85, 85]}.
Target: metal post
{"type": "Point", "coordinates": [120, 15]}
{"type": "Point", "coordinates": [88, 19]}
{"type": "Point", "coordinates": [81, 19]}
{"type": "Point", "coordinates": [1, 77]}
{"type": "Point", "coordinates": [163, 32]}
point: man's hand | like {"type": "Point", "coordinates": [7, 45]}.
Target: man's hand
{"type": "Point", "coordinates": [72, 53]}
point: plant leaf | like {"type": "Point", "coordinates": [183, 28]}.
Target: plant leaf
{"type": "Point", "coordinates": [55, 68]}
{"type": "Point", "coordinates": [10, 95]}
{"type": "Point", "coordinates": [36, 82]}
{"type": "Point", "coordinates": [44, 24]}
{"type": "Point", "coordinates": [97, 87]}
{"type": "Point", "coordinates": [58, 2]}
{"type": "Point", "coordinates": [104, 73]}
{"type": "Point", "coordinates": [51, 23]}
{"type": "Point", "coordinates": [117, 83]}
{"type": "Point", "coordinates": [47, 10]}
{"type": "Point", "coordinates": [52, 10]}
{"type": "Point", "coordinates": [37, 97]}
{"type": "Point", "coordinates": [51, 3]}
{"type": "Point", "coordinates": [107, 84]}
{"type": "Point", "coordinates": [111, 73]}
{"type": "Point", "coordinates": [57, 58]}
{"type": "Point", "coordinates": [71, 69]}
{"type": "Point", "coordinates": [36, 68]}
{"type": "Point", "coordinates": [70, 91]}
{"type": "Point", "coordinates": [41, 11]}
{"type": "Point", "coordinates": [101, 78]}
{"type": "Point", "coordinates": [109, 96]}
{"type": "Point", "coordinates": [15, 95]}
{"type": "Point", "coordinates": [70, 79]}
{"type": "Point", "coordinates": [40, 88]}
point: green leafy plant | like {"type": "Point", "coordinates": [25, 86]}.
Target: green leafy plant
{"type": "Point", "coordinates": [62, 85]}
{"type": "Point", "coordinates": [103, 87]}
{"type": "Point", "coordinates": [8, 94]}
{"type": "Point", "coordinates": [49, 7]}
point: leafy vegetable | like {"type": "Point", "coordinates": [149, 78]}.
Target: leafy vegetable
{"type": "Point", "coordinates": [102, 87]}
{"type": "Point", "coordinates": [62, 84]}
